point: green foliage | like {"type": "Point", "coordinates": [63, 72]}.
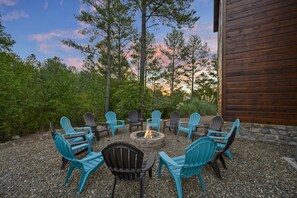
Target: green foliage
{"type": "Point", "coordinates": [196, 105]}
{"type": "Point", "coordinates": [6, 42]}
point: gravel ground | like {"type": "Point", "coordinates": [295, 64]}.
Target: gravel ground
{"type": "Point", "coordinates": [30, 167]}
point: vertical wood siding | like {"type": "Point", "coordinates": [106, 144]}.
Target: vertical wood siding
{"type": "Point", "coordinates": [260, 61]}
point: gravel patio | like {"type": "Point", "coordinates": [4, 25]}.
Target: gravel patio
{"type": "Point", "coordinates": [30, 167]}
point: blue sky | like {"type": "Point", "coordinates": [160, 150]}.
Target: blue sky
{"type": "Point", "coordinates": [38, 26]}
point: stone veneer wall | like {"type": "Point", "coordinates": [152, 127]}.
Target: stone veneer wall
{"type": "Point", "coordinates": [267, 133]}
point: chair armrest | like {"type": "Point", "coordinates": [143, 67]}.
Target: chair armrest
{"type": "Point", "coordinates": [220, 142]}
{"type": "Point", "coordinates": [211, 133]}
{"type": "Point", "coordinates": [167, 159]}
{"type": "Point", "coordinates": [147, 120]}
{"type": "Point", "coordinates": [218, 138]}
{"type": "Point", "coordinates": [83, 128]}
{"type": "Point", "coordinates": [80, 146]}
{"type": "Point", "coordinates": [150, 161]}
{"type": "Point", "coordinates": [79, 143]}
{"type": "Point", "coordinates": [203, 126]}
{"type": "Point", "coordinates": [122, 121]}
{"type": "Point", "coordinates": [181, 123]}
{"type": "Point", "coordinates": [140, 119]}
{"type": "Point", "coordinates": [93, 157]}
{"type": "Point", "coordinates": [75, 135]}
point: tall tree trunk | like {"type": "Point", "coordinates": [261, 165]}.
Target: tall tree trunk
{"type": "Point", "coordinates": [193, 75]}
{"type": "Point", "coordinates": [172, 75]}
{"type": "Point", "coordinates": [143, 53]}
{"type": "Point", "coordinates": [108, 43]}
{"type": "Point", "coordinates": [119, 63]}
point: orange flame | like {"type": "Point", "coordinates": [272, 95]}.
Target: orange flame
{"type": "Point", "coordinates": [148, 133]}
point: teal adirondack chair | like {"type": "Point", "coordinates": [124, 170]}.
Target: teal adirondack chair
{"type": "Point", "coordinates": [191, 125]}
{"type": "Point", "coordinates": [90, 163]}
{"type": "Point", "coordinates": [224, 135]}
{"type": "Point", "coordinates": [197, 155]}
{"type": "Point", "coordinates": [111, 120]}
{"type": "Point", "coordinates": [69, 130]}
{"type": "Point", "coordinates": [155, 121]}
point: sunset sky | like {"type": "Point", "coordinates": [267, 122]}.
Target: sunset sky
{"type": "Point", "coordinates": [38, 26]}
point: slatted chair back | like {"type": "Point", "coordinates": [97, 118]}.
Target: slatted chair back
{"type": "Point", "coordinates": [216, 124]}
{"type": "Point", "coordinates": [197, 155]}
{"type": "Point", "coordinates": [89, 119]}
{"type": "Point", "coordinates": [194, 120]}
{"type": "Point", "coordinates": [230, 139]}
{"type": "Point", "coordinates": [66, 125]}
{"type": "Point", "coordinates": [111, 117]}
{"type": "Point", "coordinates": [64, 147]}
{"type": "Point", "coordinates": [133, 116]}
{"type": "Point", "coordinates": [124, 160]}
{"type": "Point", "coordinates": [156, 116]}
{"type": "Point", "coordinates": [174, 118]}
{"type": "Point", "coordinates": [236, 123]}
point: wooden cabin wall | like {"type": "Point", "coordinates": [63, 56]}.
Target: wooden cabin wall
{"type": "Point", "coordinates": [259, 61]}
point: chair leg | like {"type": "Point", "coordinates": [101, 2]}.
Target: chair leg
{"type": "Point", "coordinates": [223, 161]}
{"type": "Point", "coordinates": [160, 167]}
{"type": "Point", "coordinates": [229, 155]}
{"type": "Point", "coordinates": [142, 126]}
{"type": "Point", "coordinates": [150, 173]}
{"type": "Point", "coordinates": [141, 192]}
{"type": "Point", "coordinates": [216, 168]}
{"type": "Point", "coordinates": [113, 187]}
{"type": "Point", "coordinates": [201, 182]}
{"type": "Point", "coordinates": [71, 168]}
{"type": "Point", "coordinates": [82, 181]}
{"type": "Point", "coordinates": [189, 135]}
{"type": "Point", "coordinates": [97, 135]}
{"type": "Point", "coordinates": [64, 162]}
{"type": "Point", "coordinates": [177, 133]}
{"type": "Point", "coordinates": [179, 187]}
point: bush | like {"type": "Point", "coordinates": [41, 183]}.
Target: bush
{"type": "Point", "coordinates": [196, 105]}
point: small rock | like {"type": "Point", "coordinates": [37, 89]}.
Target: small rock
{"type": "Point", "coordinates": [16, 137]}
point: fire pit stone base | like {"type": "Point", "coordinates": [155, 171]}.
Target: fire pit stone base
{"type": "Point", "coordinates": [148, 144]}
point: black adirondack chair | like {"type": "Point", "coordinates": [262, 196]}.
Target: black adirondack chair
{"type": "Point", "coordinates": [90, 121]}
{"type": "Point", "coordinates": [219, 154]}
{"type": "Point", "coordinates": [215, 125]}
{"type": "Point", "coordinates": [173, 122]}
{"type": "Point", "coordinates": [126, 162]}
{"type": "Point", "coordinates": [134, 120]}
{"type": "Point", "coordinates": [76, 152]}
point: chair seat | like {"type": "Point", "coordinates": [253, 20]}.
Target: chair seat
{"type": "Point", "coordinates": [135, 123]}
{"type": "Point", "coordinates": [180, 160]}
{"type": "Point", "coordinates": [92, 160]}
{"type": "Point", "coordinates": [170, 125]}
{"type": "Point", "coordinates": [184, 129]}
{"type": "Point", "coordinates": [153, 124]}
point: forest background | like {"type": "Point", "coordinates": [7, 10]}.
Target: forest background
{"type": "Point", "coordinates": [124, 69]}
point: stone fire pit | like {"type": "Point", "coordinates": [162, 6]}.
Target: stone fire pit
{"type": "Point", "coordinates": [148, 144]}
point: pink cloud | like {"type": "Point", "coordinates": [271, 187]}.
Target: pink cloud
{"type": "Point", "coordinates": [75, 62]}
{"type": "Point", "coordinates": [44, 48]}
{"type": "Point", "coordinates": [8, 2]}
{"type": "Point", "coordinates": [14, 15]}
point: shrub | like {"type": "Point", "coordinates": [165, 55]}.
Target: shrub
{"type": "Point", "coordinates": [196, 105]}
